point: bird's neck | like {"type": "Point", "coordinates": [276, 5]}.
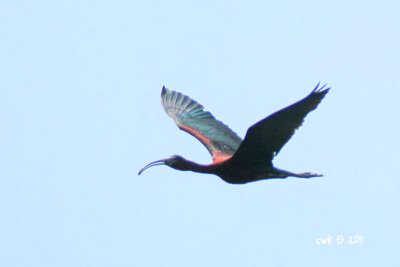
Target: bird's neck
{"type": "Point", "coordinates": [194, 167]}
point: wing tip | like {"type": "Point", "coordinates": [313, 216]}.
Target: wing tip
{"type": "Point", "coordinates": [164, 90]}
{"type": "Point", "coordinates": [324, 89]}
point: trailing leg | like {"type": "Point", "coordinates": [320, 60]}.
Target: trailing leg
{"type": "Point", "coordinates": [284, 174]}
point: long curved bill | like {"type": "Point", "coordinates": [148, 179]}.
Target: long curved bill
{"type": "Point", "coordinates": [154, 163]}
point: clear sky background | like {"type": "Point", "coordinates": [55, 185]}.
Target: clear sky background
{"type": "Point", "coordinates": [80, 114]}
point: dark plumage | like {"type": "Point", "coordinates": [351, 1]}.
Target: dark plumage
{"type": "Point", "coordinates": [235, 160]}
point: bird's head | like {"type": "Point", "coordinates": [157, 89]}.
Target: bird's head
{"type": "Point", "coordinates": [175, 162]}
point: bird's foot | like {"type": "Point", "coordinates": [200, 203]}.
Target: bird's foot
{"type": "Point", "coordinates": [309, 175]}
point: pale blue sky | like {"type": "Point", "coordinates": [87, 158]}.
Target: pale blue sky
{"type": "Point", "coordinates": [80, 114]}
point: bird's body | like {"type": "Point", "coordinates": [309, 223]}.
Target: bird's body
{"type": "Point", "coordinates": [235, 160]}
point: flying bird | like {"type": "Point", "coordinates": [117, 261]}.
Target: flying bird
{"type": "Point", "coordinates": [237, 161]}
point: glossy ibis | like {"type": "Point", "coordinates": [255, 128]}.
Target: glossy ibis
{"type": "Point", "coordinates": [235, 160]}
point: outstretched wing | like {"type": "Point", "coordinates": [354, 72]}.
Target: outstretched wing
{"type": "Point", "coordinates": [266, 138]}
{"type": "Point", "coordinates": [190, 117]}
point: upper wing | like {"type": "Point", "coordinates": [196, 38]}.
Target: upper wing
{"type": "Point", "coordinates": [190, 116]}
{"type": "Point", "coordinates": [265, 139]}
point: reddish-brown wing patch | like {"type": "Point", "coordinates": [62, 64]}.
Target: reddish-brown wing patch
{"type": "Point", "coordinates": [217, 155]}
